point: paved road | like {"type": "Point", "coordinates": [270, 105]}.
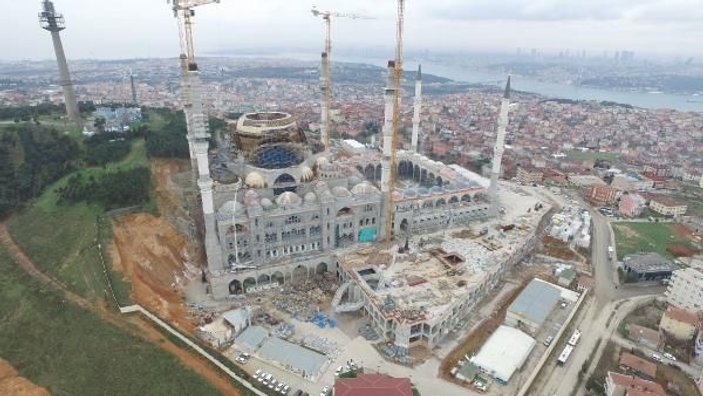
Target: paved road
{"type": "Point", "coordinates": [608, 297]}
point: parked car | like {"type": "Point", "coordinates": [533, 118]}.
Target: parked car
{"type": "Point", "coordinates": [656, 357]}
{"type": "Point", "coordinates": [669, 356]}
{"type": "Point", "coordinates": [548, 340]}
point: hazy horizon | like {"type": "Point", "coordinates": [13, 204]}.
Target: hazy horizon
{"type": "Point", "coordinates": [132, 29]}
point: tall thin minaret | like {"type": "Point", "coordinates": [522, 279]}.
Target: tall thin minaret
{"type": "Point", "coordinates": [53, 22]}
{"type": "Point", "coordinates": [325, 108]}
{"type": "Point", "coordinates": [134, 88]}
{"type": "Point", "coordinates": [387, 131]}
{"type": "Point", "coordinates": [417, 109]}
{"type": "Point", "coordinates": [200, 138]}
{"type": "Point", "coordinates": [498, 151]}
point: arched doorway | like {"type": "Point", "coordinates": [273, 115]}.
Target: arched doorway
{"type": "Point", "coordinates": [248, 283]}
{"type": "Point", "coordinates": [283, 183]}
{"type": "Point", "coordinates": [440, 203]}
{"type": "Point", "coordinates": [466, 198]}
{"type": "Point", "coordinates": [235, 287]}
{"type": "Point", "coordinates": [263, 279]}
{"type": "Point", "coordinates": [404, 225]}
{"type": "Point", "coordinates": [277, 277]}
{"type": "Point", "coordinates": [453, 200]}
{"type": "Point", "coordinates": [321, 268]}
{"type": "Point", "coordinates": [300, 273]}
{"type": "Point", "coordinates": [370, 172]}
{"type": "Point", "coordinates": [379, 172]}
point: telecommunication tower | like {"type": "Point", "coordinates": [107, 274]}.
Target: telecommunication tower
{"type": "Point", "coordinates": [53, 22]}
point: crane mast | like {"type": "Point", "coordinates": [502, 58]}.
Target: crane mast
{"type": "Point", "coordinates": [325, 75]}
{"type": "Point", "coordinates": [397, 75]}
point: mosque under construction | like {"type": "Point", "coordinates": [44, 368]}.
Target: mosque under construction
{"type": "Point", "coordinates": [280, 207]}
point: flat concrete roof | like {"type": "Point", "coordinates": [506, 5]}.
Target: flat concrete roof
{"type": "Point", "coordinates": [536, 301]}
{"type": "Point", "coordinates": [504, 353]}
{"type": "Point", "coordinates": [300, 359]}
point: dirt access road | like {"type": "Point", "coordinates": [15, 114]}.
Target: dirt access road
{"type": "Point", "coordinates": [145, 329]}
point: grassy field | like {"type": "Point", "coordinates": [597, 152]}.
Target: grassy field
{"type": "Point", "coordinates": [591, 155]}
{"type": "Point", "coordinates": [71, 351]}
{"type": "Point", "coordinates": [633, 238]}
{"type": "Point", "coordinates": [62, 239]}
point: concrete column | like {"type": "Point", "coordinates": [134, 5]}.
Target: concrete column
{"type": "Point", "coordinates": [494, 208]}
{"type": "Point", "coordinates": [417, 109]}
{"type": "Point", "coordinates": [65, 79]}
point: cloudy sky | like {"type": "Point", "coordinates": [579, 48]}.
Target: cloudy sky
{"type": "Point", "coordinates": [146, 28]}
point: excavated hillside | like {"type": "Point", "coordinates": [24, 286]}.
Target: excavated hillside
{"type": "Point", "coordinates": [153, 254]}
{"type": "Point", "coordinates": [12, 384]}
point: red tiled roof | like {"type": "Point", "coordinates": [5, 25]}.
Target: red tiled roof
{"type": "Point", "coordinates": [681, 315]}
{"type": "Point", "coordinates": [632, 383]}
{"type": "Point", "coordinates": [638, 364]}
{"type": "Point", "coordinates": [372, 385]}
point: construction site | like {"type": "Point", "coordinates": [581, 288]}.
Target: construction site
{"type": "Point", "coordinates": [320, 252]}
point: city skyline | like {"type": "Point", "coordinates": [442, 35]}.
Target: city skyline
{"type": "Point", "coordinates": [97, 29]}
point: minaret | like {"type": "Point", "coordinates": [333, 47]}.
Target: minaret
{"type": "Point", "coordinates": [325, 108]}
{"type": "Point", "coordinates": [387, 131]}
{"type": "Point", "coordinates": [134, 88]}
{"type": "Point", "coordinates": [417, 109]}
{"type": "Point", "coordinates": [498, 152]}
{"type": "Point", "coordinates": [52, 21]}
{"type": "Point", "coordinates": [200, 145]}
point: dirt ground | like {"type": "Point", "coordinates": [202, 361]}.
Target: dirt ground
{"type": "Point", "coordinates": [152, 254]}
{"type": "Point", "coordinates": [12, 384]}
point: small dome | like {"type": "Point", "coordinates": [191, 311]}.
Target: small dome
{"type": "Point", "coordinates": [255, 180]}
{"type": "Point", "coordinates": [288, 198]}
{"type": "Point", "coordinates": [354, 180]}
{"type": "Point", "coordinates": [322, 161]}
{"type": "Point", "coordinates": [266, 203]}
{"type": "Point", "coordinates": [397, 196]}
{"type": "Point", "coordinates": [436, 190]}
{"type": "Point", "coordinates": [228, 208]}
{"type": "Point", "coordinates": [251, 197]}
{"type": "Point", "coordinates": [410, 193]}
{"type": "Point", "coordinates": [364, 188]}
{"type": "Point", "coordinates": [306, 174]}
{"type": "Point", "coordinates": [310, 197]}
{"type": "Point", "coordinates": [341, 192]}
{"type": "Point", "coordinates": [423, 191]}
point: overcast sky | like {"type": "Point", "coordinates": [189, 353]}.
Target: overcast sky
{"type": "Point", "coordinates": [146, 28]}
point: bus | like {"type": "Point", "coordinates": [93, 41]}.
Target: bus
{"type": "Point", "coordinates": [565, 355]}
{"type": "Point", "coordinates": [575, 338]}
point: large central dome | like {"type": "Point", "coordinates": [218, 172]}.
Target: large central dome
{"type": "Point", "coordinates": [277, 156]}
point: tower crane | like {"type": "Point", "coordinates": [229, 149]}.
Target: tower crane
{"type": "Point", "coordinates": [325, 68]}
{"type": "Point", "coordinates": [184, 11]}
{"type": "Point", "coordinates": [397, 75]}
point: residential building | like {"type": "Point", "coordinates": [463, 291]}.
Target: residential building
{"type": "Point", "coordinates": [529, 175]}
{"type": "Point", "coordinates": [667, 206]}
{"type": "Point", "coordinates": [643, 335]}
{"type": "Point", "coordinates": [680, 324]}
{"type": "Point", "coordinates": [601, 195]}
{"type": "Point", "coordinates": [685, 288]}
{"type": "Point", "coordinates": [647, 267]}
{"type": "Point", "coordinates": [631, 182]}
{"type": "Point", "coordinates": [638, 366]}
{"type": "Point", "coordinates": [617, 384]}
{"type": "Point", "coordinates": [631, 205]}
{"type": "Point", "coordinates": [372, 385]}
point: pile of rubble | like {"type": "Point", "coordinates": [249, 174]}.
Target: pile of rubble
{"type": "Point", "coordinates": [329, 348]}
{"type": "Point", "coordinates": [368, 332]}
{"type": "Point", "coordinates": [284, 330]}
